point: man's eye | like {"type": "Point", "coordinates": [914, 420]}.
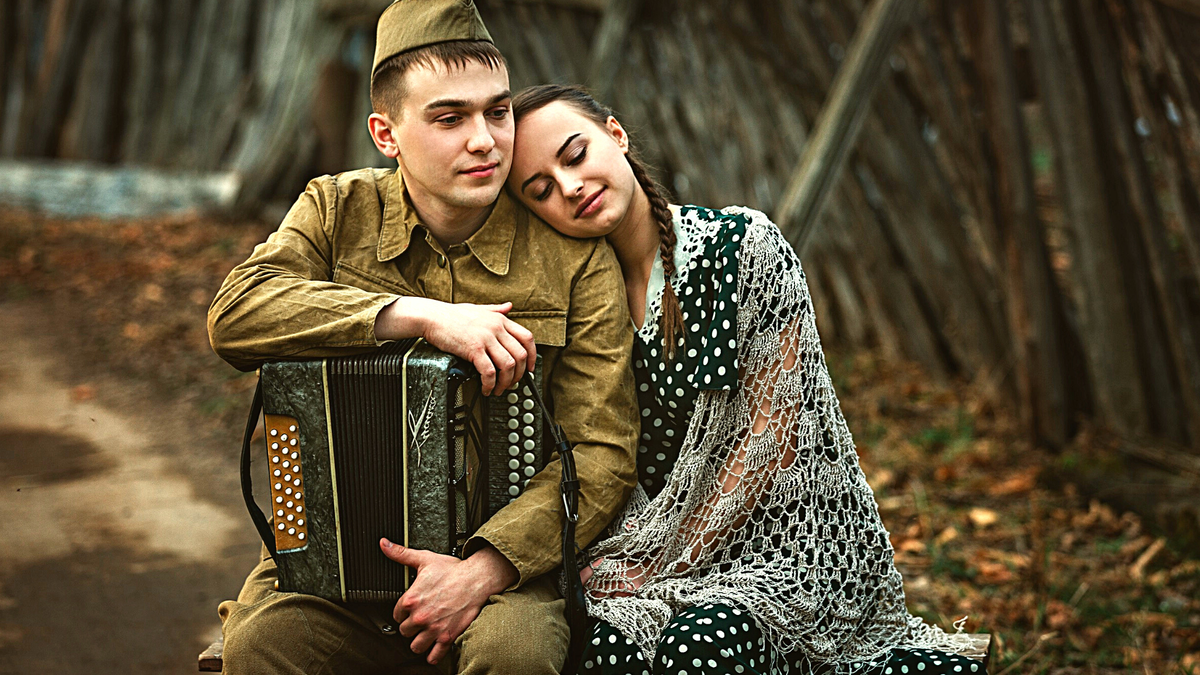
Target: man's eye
{"type": "Point", "coordinates": [449, 119]}
{"type": "Point", "coordinates": [500, 113]}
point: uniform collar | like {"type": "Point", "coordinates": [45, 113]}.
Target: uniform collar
{"type": "Point", "coordinates": [491, 245]}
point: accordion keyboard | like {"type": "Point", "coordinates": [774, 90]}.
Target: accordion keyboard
{"type": "Point", "coordinates": [522, 421]}
{"type": "Point", "coordinates": [287, 497]}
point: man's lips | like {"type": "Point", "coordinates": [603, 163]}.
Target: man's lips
{"type": "Point", "coordinates": [589, 205]}
{"type": "Point", "coordinates": [482, 171]}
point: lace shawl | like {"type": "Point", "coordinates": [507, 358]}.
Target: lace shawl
{"type": "Point", "coordinates": [766, 507]}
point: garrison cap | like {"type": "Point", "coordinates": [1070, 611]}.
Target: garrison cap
{"type": "Point", "coordinates": [412, 24]}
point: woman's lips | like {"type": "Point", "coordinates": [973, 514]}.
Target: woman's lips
{"type": "Point", "coordinates": [591, 204]}
{"type": "Point", "coordinates": [482, 171]}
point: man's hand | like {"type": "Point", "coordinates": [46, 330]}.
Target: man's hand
{"type": "Point", "coordinates": [501, 349]}
{"type": "Point", "coordinates": [447, 594]}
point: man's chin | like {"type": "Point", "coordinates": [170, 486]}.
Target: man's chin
{"type": "Point", "coordinates": [478, 196]}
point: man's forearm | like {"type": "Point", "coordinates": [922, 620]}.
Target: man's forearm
{"type": "Point", "coordinates": [406, 317]}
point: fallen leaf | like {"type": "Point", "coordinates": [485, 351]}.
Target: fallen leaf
{"type": "Point", "coordinates": [946, 535]}
{"type": "Point", "coordinates": [1017, 483]}
{"type": "Point", "coordinates": [1138, 569]}
{"type": "Point", "coordinates": [981, 517]}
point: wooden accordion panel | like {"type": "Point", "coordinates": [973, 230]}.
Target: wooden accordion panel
{"type": "Point", "coordinates": [395, 444]}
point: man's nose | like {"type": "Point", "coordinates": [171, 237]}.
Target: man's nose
{"type": "Point", "coordinates": [481, 141]}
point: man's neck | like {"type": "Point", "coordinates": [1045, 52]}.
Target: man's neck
{"type": "Point", "coordinates": [448, 224]}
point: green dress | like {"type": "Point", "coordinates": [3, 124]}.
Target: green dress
{"type": "Point", "coordinates": [712, 638]}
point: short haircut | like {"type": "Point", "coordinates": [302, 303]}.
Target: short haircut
{"type": "Point", "coordinates": [387, 84]}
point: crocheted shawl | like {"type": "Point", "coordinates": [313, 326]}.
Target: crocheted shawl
{"type": "Point", "coordinates": [766, 508]}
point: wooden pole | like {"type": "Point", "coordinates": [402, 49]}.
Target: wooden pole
{"type": "Point", "coordinates": [841, 119]}
{"type": "Point", "coordinates": [607, 45]}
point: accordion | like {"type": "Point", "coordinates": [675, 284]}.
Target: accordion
{"type": "Point", "coordinates": [398, 443]}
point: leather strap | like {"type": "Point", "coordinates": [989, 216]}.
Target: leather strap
{"type": "Point", "coordinates": [256, 514]}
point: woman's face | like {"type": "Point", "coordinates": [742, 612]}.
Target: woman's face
{"type": "Point", "coordinates": [572, 172]}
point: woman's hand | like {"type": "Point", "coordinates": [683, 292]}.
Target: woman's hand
{"type": "Point", "coordinates": [632, 579]}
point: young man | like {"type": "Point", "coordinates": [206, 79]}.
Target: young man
{"type": "Point", "coordinates": [436, 250]}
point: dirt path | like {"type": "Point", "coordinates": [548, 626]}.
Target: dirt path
{"type": "Point", "coordinates": [121, 526]}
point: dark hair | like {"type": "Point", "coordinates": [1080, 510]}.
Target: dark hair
{"type": "Point", "coordinates": [387, 83]}
{"type": "Point", "coordinates": [534, 98]}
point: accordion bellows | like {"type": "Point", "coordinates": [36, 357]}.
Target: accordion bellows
{"type": "Point", "coordinates": [398, 444]}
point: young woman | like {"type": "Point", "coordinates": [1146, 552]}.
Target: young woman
{"type": "Point", "coordinates": [753, 543]}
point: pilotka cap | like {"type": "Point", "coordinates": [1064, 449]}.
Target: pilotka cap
{"type": "Point", "coordinates": [411, 24]}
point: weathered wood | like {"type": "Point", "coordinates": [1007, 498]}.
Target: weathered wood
{"type": "Point", "coordinates": [80, 189]}
{"type": "Point", "coordinates": [607, 45]}
{"type": "Point", "coordinates": [1031, 294]}
{"type": "Point", "coordinates": [838, 125]}
{"type": "Point", "coordinates": [210, 660]}
{"type": "Point", "coordinates": [1106, 319]}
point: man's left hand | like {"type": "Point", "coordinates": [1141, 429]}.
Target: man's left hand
{"type": "Point", "coordinates": [447, 594]}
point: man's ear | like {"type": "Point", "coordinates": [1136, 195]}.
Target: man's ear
{"type": "Point", "coordinates": [618, 133]}
{"type": "Point", "coordinates": [381, 127]}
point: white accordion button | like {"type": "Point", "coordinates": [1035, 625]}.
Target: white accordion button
{"type": "Point", "coordinates": [274, 432]}
{"type": "Point", "coordinates": [281, 526]}
{"type": "Point", "coordinates": [300, 523]}
{"type": "Point", "coordinates": [300, 536]}
{"type": "Point", "coordinates": [514, 464]}
{"type": "Point", "coordinates": [279, 513]}
{"type": "Point", "coordinates": [291, 530]}
{"type": "Point", "coordinates": [292, 428]}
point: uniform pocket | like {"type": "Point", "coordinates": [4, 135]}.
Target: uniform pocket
{"type": "Point", "coordinates": [549, 327]}
{"type": "Point", "coordinates": [349, 275]}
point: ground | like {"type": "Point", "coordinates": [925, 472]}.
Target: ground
{"type": "Point", "coordinates": [123, 525]}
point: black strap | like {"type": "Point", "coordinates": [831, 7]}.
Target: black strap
{"type": "Point", "coordinates": [256, 514]}
{"type": "Point", "coordinates": [577, 617]}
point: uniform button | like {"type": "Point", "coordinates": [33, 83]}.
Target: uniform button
{"type": "Point", "coordinates": [441, 260]}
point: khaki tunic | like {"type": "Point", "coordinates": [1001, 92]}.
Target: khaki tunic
{"type": "Point", "coordinates": [353, 243]}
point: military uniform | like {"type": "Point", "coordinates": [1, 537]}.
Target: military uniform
{"type": "Point", "coordinates": [351, 245]}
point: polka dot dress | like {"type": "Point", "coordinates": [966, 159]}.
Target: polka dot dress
{"type": "Point", "coordinates": [718, 639]}
{"type": "Point", "coordinates": [705, 357]}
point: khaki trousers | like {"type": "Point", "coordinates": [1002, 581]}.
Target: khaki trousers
{"type": "Point", "coordinates": [266, 631]}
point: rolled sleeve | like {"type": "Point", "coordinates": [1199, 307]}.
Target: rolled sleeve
{"type": "Point", "coordinates": [591, 391]}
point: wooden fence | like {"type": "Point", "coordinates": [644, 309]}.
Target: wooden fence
{"type": "Point", "coordinates": [1021, 207]}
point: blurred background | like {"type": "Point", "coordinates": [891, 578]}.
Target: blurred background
{"type": "Point", "coordinates": [1006, 273]}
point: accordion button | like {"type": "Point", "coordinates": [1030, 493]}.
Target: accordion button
{"type": "Point", "coordinates": [513, 411]}
{"type": "Point", "coordinates": [293, 441]}
{"type": "Point", "coordinates": [279, 500]}
{"type": "Point", "coordinates": [277, 472]}
{"type": "Point", "coordinates": [513, 398]}
{"type": "Point", "coordinates": [291, 517]}
{"type": "Point", "coordinates": [286, 491]}
{"type": "Point", "coordinates": [529, 458]}
{"type": "Point", "coordinates": [296, 482]}
{"type": "Point", "coordinates": [292, 428]}
{"type": "Point", "coordinates": [514, 437]}
{"type": "Point", "coordinates": [528, 431]}
{"type": "Point", "coordinates": [514, 464]}
{"type": "Point", "coordinates": [299, 509]}
{"type": "Point", "coordinates": [514, 490]}
{"type": "Point", "coordinates": [527, 404]}
{"type": "Point", "coordinates": [279, 513]}
{"type": "Point", "coordinates": [287, 478]}
{"type": "Point", "coordinates": [299, 496]}
{"type": "Point", "coordinates": [283, 437]}
{"type": "Point", "coordinates": [286, 464]}
{"type": "Point", "coordinates": [274, 432]}
{"type": "Point", "coordinates": [528, 418]}
{"type": "Point", "coordinates": [513, 477]}
{"type": "Point", "coordinates": [275, 459]}
{"type": "Point", "coordinates": [295, 455]}
{"type": "Point", "coordinates": [514, 450]}
{"type": "Point", "coordinates": [300, 536]}
{"type": "Point", "coordinates": [529, 471]}
{"type": "Point", "coordinates": [274, 446]}
{"type": "Point", "coordinates": [290, 503]}
{"type": "Point", "coordinates": [278, 486]}
{"type": "Point", "coordinates": [300, 523]}
{"type": "Point", "coordinates": [291, 530]}
{"type": "Point", "coordinates": [281, 526]}
{"type": "Point", "coordinates": [529, 444]}
{"type": "Point", "coordinates": [513, 424]}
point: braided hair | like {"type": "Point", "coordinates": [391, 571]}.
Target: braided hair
{"type": "Point", "coordinates": [537, 97]}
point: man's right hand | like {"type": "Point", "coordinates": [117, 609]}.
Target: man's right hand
{"type": "Point", "coordinates": [501, 349]}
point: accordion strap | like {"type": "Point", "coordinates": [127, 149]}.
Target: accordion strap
{"type": "Point", "coordinates": [577, 617]}
{"type": "Point", "coordinates": [256, 514]}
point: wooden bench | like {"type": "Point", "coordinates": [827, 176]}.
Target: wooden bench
{"type": "Point", "coordinates": [980, 650]}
